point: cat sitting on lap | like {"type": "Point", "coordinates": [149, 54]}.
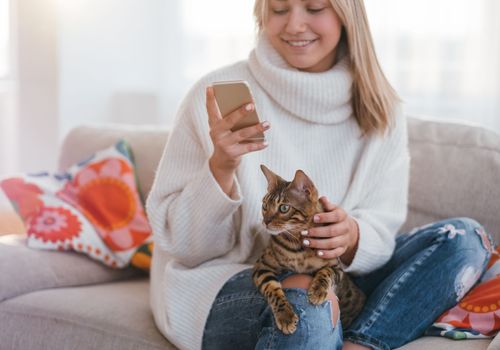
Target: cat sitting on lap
{"type": "Point", "coordinates": [288, 209]}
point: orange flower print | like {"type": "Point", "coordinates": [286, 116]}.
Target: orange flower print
{"type": "Point", "coordinates": [105, 192]}
{"type": "Point", "coordinates": [54, 224]}
{"type": "Point", "coordinates": [24, 196]}
{"type": "Point", "coordinates": [479, 310]}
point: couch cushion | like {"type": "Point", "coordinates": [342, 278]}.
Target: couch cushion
{"type": "Point", "coordinates": [107, 316]}
{"type": "Point", "coordinates": [112, 316]}
{"type": "Point", "coordinates": [23, 269]}
{"type": "Point", "coordinates": [455, 171]}
{"type": "Point", "coordinates": [147, 145]}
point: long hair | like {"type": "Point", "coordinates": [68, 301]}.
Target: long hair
{"type": "Point", "coordinates": [374, 100]}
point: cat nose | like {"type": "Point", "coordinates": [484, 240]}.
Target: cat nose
{"type": "Point", "coordinates": [267, 220]}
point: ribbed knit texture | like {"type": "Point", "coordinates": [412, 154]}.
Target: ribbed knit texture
{"type": "Point", "coordinates": [203, 236]}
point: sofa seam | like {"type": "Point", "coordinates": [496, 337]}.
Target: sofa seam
{"type": "Point", "coordinates": [76, 323]}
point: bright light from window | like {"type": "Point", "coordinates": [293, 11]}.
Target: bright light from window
{"type": "Point", "coordinates": [441, 56]}
{"type": "Point", "coordinates": [4, 37]}
{"type": "Point", "coordinates": [218, 32]}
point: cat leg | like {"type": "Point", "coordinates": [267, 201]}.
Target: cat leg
{"type": "Point", "coordinates": [304, 281]}
{"type": "Point", "coordinates": [268, 285]}
{"type": "Point", "coordinates": [324, 279]}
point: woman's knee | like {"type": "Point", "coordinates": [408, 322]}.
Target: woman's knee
{"type": "Point", "coordinates": [304, 281]}
{"type": "Point", "coordinates": [468, 235]}
{"type": "Point", "coordinates": [471, 248]}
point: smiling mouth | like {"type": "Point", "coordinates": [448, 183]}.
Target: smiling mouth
{"type": "Point", "coordinates": [299, 43]}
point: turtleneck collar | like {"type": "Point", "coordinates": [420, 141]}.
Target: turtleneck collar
{"type": "Point", "coordinates": [323, 98]}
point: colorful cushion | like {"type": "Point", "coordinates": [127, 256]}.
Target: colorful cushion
{"type": "Point", "coordinates": [10, 223]}
{"type": "Point", "coordinates": [93, 208]}
{"type": "Point", "coordinates": [478, 313]}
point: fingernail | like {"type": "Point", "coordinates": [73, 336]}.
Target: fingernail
{"type": "Point", "coordinates": [249, 107]}
{"type": "Point", "coordinates": [303, 233]}
{"type": "Point", "coordinates": [320, 253]}
{"type": "Point", "coordinates": [266, 124]}
{"type": "Point", "coordinates": [316, 218]}
{"type": "Point", "coordinates": [306, 242]}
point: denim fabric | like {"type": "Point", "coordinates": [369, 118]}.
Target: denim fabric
{"type": "Point", "coordinates": [431, 269]}
{"type": "Point", "coordinates": [241, 319]}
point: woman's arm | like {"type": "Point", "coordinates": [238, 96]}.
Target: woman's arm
{"type": "Point", "coordinates": [364, 237]}
{"type": "Point", "coordinates": [190, 207]}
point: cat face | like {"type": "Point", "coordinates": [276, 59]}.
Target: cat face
{"type": "Point", "coordinates": [288, 206]}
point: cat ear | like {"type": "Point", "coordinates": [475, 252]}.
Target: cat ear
{"type": "Point", "coordinates": [303, 184]}
{"type": "Point", "coordinates": [272, 178]}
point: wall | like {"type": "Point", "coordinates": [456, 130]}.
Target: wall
{"type": "Point", "coordinates": [113, 57]}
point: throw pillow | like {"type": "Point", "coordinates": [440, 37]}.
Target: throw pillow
{"type": "Point", "coordinates": [94, 207]}
{"type": "Point", "coordinates": [10, 223]}
{"type": "Point", "coordinates": [477, 315]}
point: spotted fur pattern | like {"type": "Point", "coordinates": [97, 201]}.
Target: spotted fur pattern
{"type": "Point", "coordinates": [288, 209]}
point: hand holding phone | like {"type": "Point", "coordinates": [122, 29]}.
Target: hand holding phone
{"type": "Point", "coordinates": [235, 129]}
{"type": "Point", "coordinates": [231, 95]}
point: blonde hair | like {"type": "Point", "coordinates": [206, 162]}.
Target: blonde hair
{"type": "Point", "coordinates": [374, 100]}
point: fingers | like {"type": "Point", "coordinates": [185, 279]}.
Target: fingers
{"type": "Point", "coordinates": [212, 108]}
{"type": "Point", "coordinates": [328, 248]}
{"type": "Point", "coordinates": [327, 205]}
{"type": "Point", "coordinates": [248, 132]}
{"type": "Point", "coordinates": [328, 231]}
{"type": "Point", "coordinates": [333, 213]}
{"type": "Point", "coordinates": [232, 118]}
{"type": "Point", "coordinates": [241, 149]}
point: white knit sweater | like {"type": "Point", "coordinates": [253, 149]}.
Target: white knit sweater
{"type": "Point", "coordinates": [203, 237]}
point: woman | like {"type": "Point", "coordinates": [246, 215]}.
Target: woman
{"type": "Point", "coordinates": [316, 80]}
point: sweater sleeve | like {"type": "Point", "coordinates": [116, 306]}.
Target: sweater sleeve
{"type": "Point", "coordinates": [191, 217]}
{"type": "Point", "coordinates": [383, 206]}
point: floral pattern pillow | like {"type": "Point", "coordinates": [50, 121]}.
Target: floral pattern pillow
{"type": "Point", "coordinates": [477, 315]}
{"type": "Point", "coordinates": [94, 208]}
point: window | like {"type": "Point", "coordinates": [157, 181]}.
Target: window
{"type": "Point", "coordinates": [217, 33]}
{"type": "Point", "coordinates": [4, 38]}
{"type": "Point", "coordinates": [443, 57]}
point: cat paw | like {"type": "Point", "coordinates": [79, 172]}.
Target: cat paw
{"type": "Point", "coordinates": [286, 320]}
{"type": "Point", "coordinates": [317, 295]}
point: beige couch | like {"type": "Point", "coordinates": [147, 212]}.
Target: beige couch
{"type": "Point", "coordinates": [55, 300]}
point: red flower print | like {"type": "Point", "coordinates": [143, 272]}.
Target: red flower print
{"type": "Point", "coordinates": [54, 224]}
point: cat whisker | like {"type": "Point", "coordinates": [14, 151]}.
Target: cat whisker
{"type": "Point", "coordinates": [291, 236]}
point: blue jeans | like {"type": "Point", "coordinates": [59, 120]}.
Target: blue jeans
{"type": "Point", "coordinates": [431, 269]}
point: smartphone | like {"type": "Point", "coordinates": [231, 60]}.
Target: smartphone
{"type": "Point", "coordinates": [231, 95]}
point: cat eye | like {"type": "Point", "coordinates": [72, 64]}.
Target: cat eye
{"type": "Point", "coordinates": [284, 208]}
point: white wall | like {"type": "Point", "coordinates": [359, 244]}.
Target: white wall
{"type": "Point", "coordinates": [113, 57]}
{"type": "Point", "coordinates": [87, 61]}
{"type": "Point", "coordinates": [37, 85]}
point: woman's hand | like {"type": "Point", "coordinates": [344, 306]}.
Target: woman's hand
{"type": "Point", "coordinates": [228, 148]}
{"type": "Point", "coordinates": [338, 238]}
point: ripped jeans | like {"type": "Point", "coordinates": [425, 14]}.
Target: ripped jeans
{"type": "Point", "coordinates": [430, 271]}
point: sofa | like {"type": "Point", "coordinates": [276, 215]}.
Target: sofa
{"type": "Point", "coordinates": [63, 300]}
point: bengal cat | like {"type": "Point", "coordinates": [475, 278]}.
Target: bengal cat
{"type": "Point", "coordinates": [288, 208]}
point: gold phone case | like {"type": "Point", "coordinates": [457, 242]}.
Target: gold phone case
{"type": "Point", "coordinates": [231, 95]}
